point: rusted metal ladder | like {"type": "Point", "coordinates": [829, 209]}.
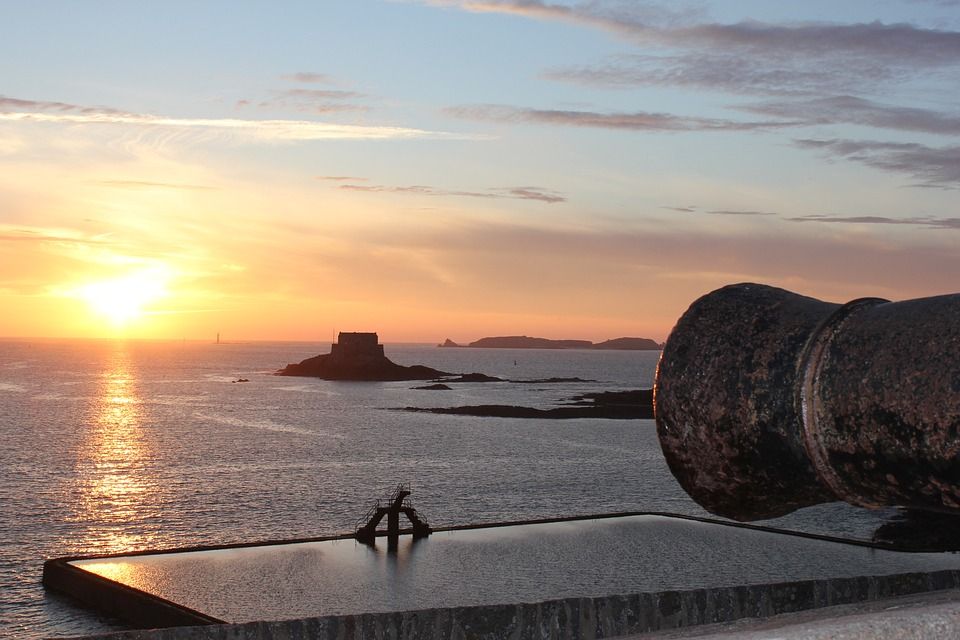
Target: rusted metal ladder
{"type": "Point", "coordinates": [397, 503]}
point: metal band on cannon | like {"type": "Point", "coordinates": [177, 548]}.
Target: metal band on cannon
{"type": "Point", "coordinates": [767, 401]}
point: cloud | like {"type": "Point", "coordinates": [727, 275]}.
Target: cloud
{"type": "Point", "coordinates": [146, 184]}
{"type": "Point", "coordinates": [311, 101]}
{"type": "Point", "coordinates": [730, 72]}
{"type": "Point", "coordinates": [516, 193]}
{"type": "Point", "coordinates": [342, 178]}
{"type": "Point", "coordinates": [45, 235]}
{"type": "Point", "coordinates": [936, 223]}
{"type": "Point", "coordinates": [308, 77]}
{"type": "Point", "coordinates": [853, 110]}
{"type": "Point", "coordinates": [928, 221]}
{"type": "Point", "coordinates": [575, 258]}
{"type": "Point", "coordinates": [325, 94]}
{"type": "Point", "coordinates": [720, 212]}
{"type": "Point", "coordinates": [939, 3]}
{"type": "Point", "coordinates": [933, 166]}
{"type": "Point", "coordinates": [637, 121]}
{"type": "Point", "coordinates": [17, 104]}
{"type": "Point", "coordinates": [900, 43]}
{"type": "Point", "coordinates": [741, 213]}
{"type": "Point", "coordinates": [253, 130]}
{"type": "Point", "coordinates": [744, 57]}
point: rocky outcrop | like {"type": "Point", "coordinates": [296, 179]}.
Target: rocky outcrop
{"type": "Point", "coordinates": [629, 344]}
{"type": "Point", "coordinates": [358, 356]}
{"type": "Point", "coordinates": [615, 405]}
{"type": "Point", "coordinates": [475, 377]}
{"type": "Point", "coordinates": [526, 342]}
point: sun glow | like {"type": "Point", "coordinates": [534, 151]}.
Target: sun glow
{"type": "Point", "coordinates": [125, 299]}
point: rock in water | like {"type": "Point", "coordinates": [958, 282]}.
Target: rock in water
{"type": "Point", "coordinates": [358, 356]}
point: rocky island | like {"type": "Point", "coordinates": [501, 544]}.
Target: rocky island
{"type": "Point", "coordinates": [358, 356]}
{"type": "Point", "coordinates": [526, 342]}
{"type": "Point", "coordinates": [615, 405]}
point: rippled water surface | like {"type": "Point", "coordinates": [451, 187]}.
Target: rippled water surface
{"type": "Point", "coordinates": [113, 446]}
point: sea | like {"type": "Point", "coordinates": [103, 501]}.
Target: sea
{"type": "Point", "coordinates": [113, 446]}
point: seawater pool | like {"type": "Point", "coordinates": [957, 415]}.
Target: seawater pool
{"type": "Point", "coordinates": [496, 565]}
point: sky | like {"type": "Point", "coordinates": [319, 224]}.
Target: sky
{"type": "Point", "coordinates": [464, 168]}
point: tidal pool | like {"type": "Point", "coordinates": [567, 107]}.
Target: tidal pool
{"type": "Point", "coordinates": [496, 565]}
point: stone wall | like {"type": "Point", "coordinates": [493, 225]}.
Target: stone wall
{"type": "Point", "coordinates": [573, 618]}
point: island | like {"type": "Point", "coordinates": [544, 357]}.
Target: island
{"type": "Point", "coordinates": [612, 405]}
{"type": "Point", "coordinates": [358, 356]}
{"type": "Point", "coordinates": [526, 342]}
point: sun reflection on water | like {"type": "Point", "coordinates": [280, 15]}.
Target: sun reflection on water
{"type": "Point", "coordinates": [116, 492]}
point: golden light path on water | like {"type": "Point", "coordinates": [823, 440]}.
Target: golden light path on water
{"type": "Point", "coordinates": [113, 462]}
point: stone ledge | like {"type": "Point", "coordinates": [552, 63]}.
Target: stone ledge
{"type": "Point", "coordinates": [574, 618]}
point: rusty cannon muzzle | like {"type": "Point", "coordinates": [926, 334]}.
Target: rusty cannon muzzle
{"type": "Point", "coordinates": [767, 401]}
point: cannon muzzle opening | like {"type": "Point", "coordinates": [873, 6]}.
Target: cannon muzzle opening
{"type": "Point", "coordinates": [767, 401]}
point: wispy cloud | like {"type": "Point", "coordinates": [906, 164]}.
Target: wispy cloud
{"type": "Point", "coordinates": [17, 110]}
{"type": "Point", "coordinates": [516, 193]}
{"type": "Point", "coordinates": [923, 221]}
{"type": "Point", "coordinates": [8, 104]}
{"type": "Point", "coordinates": [730, 72]}
{"type": "Point", "coordinates": [901, 43]}
{"type": "Point", "coordinates": [720, 212]}
{"type": "Point", "coordinates": [730, 212]}
{"type": "Point", "coordinates": [342, 178]}
{"type": "Point", "coordinates": [753, 57]}
{"type": "Point", "coordinates": [936, 223]}
{"type": "Point", "coordinates": [580, 256]}
{"type": "Point", "coordinates": [311, 101]}
{"type": "Point", "coordinates": [939, 3]}
{"type": "Point", "coordinates": [636, 121]}
{"type": "Point", "coordinates": [322, 94]}
{"type": "Point", "coordinates": [148, 184]}
{"type": "Point", "coordinates": [44, 235]}
{"type": "Point", "coordinates": [309, 77]}
{"type": "Point", "coordinates": [853, 110]}
{"type": "Point", "coordinates": [932, 166]}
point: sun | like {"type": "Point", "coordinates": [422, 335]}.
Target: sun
{"type": "Point", "coordinates": [124, 299]}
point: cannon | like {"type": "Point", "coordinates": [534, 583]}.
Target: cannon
{"type": "Point", "coordinates": [767, 401]}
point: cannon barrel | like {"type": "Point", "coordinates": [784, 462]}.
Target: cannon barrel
{"type": "Point", "coordinates": [767, 401]}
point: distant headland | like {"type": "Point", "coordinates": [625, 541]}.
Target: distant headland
{"type": "Point", "coordinates": [358, 356]}
{"type": "Point", "coordinates": [526, 342]}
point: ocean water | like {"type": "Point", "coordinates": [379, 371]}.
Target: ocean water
{"type": "Point", "coordinates": [118, 446]}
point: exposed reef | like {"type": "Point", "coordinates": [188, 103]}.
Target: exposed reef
{"type": "Point", "coordinates": [526, 342]}
{"type": "Point", "coordinates": [358, 356]}
{"type": "Point", "coordinates": [475, 377]}
{"type": "Point", "coordinates": [433, 387]}
{"type": "Point", "coordinates": [617, 405]}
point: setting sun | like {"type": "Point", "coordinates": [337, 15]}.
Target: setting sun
{"type": "Point", "coordinates": [124, 299]}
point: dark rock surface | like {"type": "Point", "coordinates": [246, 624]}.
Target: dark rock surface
{"type": "Point", "coordinates": [475, 377]}
{"type": "Point", "coordinates": [433, 387]}
{"type": "Point", "coordinates": [526, 342]}
{"type": "Point", "coordinates": [328, 367]}
{"type": "Point", "coordinates": [629, 344]}
{"type": "Point", "coordinates": [918, 530]}
{"type": "Point", "coordinates": [358, 356]}
{"type": "Point", "coordinates": [617, 405]}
